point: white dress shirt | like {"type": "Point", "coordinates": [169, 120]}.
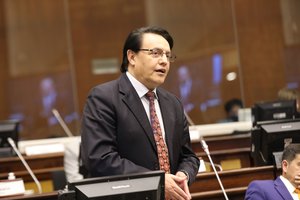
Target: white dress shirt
{"type": "Point", "coordinates": [289, 187]}
{"type": "Point", "coordinates": [142, 91]}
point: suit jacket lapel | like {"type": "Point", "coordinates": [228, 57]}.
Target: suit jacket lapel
{"type": "Point", "coordinates": [281, 189]}
{"type": "Point", "coordinates": [168, 120]}
{"type": "Point", "coordinates": [132, 100]}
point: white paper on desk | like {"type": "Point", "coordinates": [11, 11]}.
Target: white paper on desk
{"type": "Point", "coordinates": [44, 149]}
{"type": "Point", "coordinates": [194, 135]}
{"type": "Point", "coordinates": [202, 167]}
{"type": "Point", "coordinates": [11, 187]}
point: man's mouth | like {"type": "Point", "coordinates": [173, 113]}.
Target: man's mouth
{"type": "Point", "coordinates": [161, 71]}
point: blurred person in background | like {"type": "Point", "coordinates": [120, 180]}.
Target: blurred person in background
{"type": "Point", "coordinates": [231, 108]}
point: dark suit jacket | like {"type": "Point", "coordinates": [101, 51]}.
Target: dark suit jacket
{"type": "Point", "coordinates": [117, 137]}
{"type": "Point", "coordinates": [267, 190]}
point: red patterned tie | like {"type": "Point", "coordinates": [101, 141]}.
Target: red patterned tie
{"type": "Point", "coordinates": [298, 192]}
{"type": "Point", "coordinates": [162, 149]}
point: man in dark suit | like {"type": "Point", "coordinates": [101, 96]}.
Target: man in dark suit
{"type": "Point", "coordinates": [118, 131]}
{"type": "Point", "coordinates": [284, 187]}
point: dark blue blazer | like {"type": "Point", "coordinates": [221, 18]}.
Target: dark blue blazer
{"type": "Point", "coordinates": [267, 190]}
{"type": "Point", "coordinates": [117, 137]}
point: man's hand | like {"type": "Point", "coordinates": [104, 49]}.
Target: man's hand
{"type": "Point", "coordinates": [173, 190]}
{"type": "Point", "coordinates": [184, 184]}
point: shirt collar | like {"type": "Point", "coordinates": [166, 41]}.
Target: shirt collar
{"type": "Point", "coordinates": [140, 88]}
{"type": "Point", "coordinates": [287, 184]}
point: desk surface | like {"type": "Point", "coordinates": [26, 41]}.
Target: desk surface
{"type": "Point", "coordinates": [9, 164]}
{"type": "Point", "coordinates": [231, 178]}
{"type": "Point", "coordinates": [44, 196]}
{"type": "Point", "coordinates": [41, 165]}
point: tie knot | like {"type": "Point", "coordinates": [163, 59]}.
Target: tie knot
{"type": "Point", "coordinates": [150, 95]}
{"type": "Point", "coordinates": [297, 191]}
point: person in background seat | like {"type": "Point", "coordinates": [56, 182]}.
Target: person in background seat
{"type": "Point", "coordinates": [286, 186]}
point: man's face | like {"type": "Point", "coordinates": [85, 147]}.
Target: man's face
{"type": "Point", "coordinates": [144, 67]}
{"type": "Point", "coordinates": [234, 111]}
{"type": "Point", "coordinates": [291, 169]}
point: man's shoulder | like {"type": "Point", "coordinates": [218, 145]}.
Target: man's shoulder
{"type": "Point", "coordinates": [166, 93]}
{"type": "Point", "coordinates": [261, 184]}
{"type": "Point", "coordinates": [106, 86]}
{"type": "Point", "coordinates": [260, 189]}
{"type": "Point", "coordinates": [108, 83]}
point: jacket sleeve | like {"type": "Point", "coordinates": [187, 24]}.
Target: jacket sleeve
{"type": "Point", "coordinates": [189, 162]}
{"type": "Point", "coordinates": [255, 191]}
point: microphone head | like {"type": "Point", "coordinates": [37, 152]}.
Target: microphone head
{"type": "Point", "coordinates": [55, 112]}
{"type": "Point", "coordinates": [11, 142]}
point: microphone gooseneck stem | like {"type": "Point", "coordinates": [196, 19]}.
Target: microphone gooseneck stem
{"type": "Point", "coordinates": [62, 123]}
{"type": "Point", "coordinates": [205, 148]}
{"type": "Point", "coordinates": [13, 145]}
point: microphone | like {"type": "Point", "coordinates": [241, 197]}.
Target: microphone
{"type": "Point", "coordinates": [62, 123]}
{"type": "Point", "coordinates": [13, 145]}
{"type": "Point", "coordinates": [82, 169]}
{"type": "Point", "coordinates": [206, 150]}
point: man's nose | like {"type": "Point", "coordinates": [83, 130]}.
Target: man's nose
{"type": "Point", "coordinates": [164, 58]}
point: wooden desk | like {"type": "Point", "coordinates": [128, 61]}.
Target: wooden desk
{"type": "Point", "coordinates": [235, 147]}
{"type": "Point", "coordinates": [12, 164]}
{"type": "Point", "coordinates": [206, 185]}
{"type": "Point", "coordinates": [232, 194]}
{"type": "Point", "coordinates": [41, 174]}
{"type": "Point", "coordinates": [43, 166]}
{"type": "Point", "coordinates": [219, 156]}
{"type": "Point", "coordinates": [44, 196]}
{"type": "Point", "coordinates": [234, 141]}
{"type": "Point", "coordinates": [231, 179]}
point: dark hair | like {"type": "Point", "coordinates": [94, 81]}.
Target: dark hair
{"type": "Point", "coordinates": [229, 104]}
{"type": "Point", "coordinates": [134, 40]}
{"type": "Point", "coordinates": [290, 152]}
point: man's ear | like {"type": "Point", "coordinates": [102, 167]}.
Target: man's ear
{"type": "Point", "coordinates": [131, 57]}
{"type": "Point", "coordinates": [284, 166]}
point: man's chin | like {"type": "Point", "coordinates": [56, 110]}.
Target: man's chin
{"type": "Point", "coordinates": [160, 82]}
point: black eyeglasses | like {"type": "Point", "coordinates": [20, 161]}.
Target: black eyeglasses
{"type": "Point", "coordinates": [157, 52]}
